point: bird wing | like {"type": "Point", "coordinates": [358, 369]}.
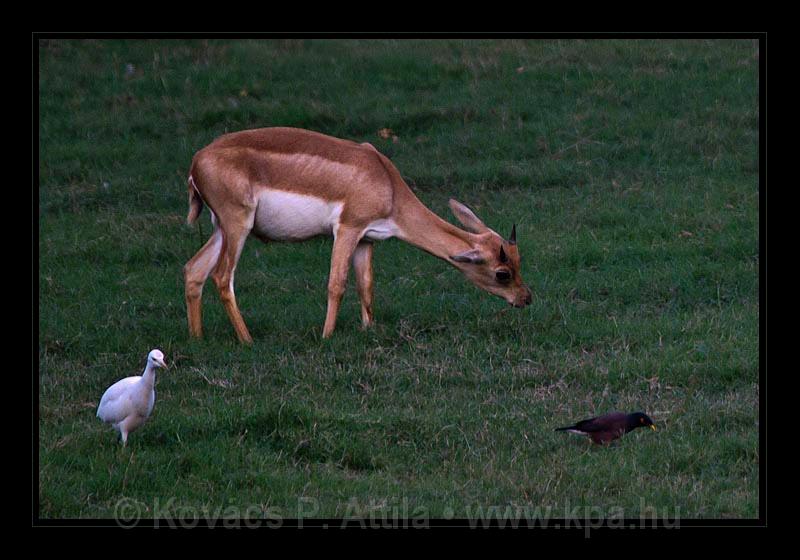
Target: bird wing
{"type": "Point", "coordinates": [600, 423]}
{"type": "Point", "coordinates": [115, 404]}
{"type": "Point", "coordinates": [586, 426]}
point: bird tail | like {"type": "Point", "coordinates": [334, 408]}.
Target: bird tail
{"type": "Point", "coordinates": [566, 428]}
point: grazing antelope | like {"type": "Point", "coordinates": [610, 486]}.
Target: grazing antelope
{"type": "Point", "coordinates": [289, 184]}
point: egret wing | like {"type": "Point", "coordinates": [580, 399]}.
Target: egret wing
{"type": "Point", "coordinates": [116, 403]}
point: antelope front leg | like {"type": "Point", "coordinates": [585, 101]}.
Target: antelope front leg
{"type": "Point", "coordinates": [344, 245]}
{"type": "Point", "coordinates": [362, 266]}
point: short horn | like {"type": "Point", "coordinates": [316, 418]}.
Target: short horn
{"type": "Point", "coordinates": [513, 238]}
{"type": "Point", "coordinates": [503, 257]}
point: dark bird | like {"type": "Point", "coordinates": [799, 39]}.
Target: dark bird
{"type": "Point", "coordinates": [607, 428]}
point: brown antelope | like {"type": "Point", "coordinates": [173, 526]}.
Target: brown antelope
{"type": "Point", "coordinates": [288, 184]}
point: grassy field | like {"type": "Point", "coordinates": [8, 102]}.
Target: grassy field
{"type": "Point", "coordinates": [631, 171]}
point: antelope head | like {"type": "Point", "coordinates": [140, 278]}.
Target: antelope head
{"type": "Point", "coordinates": [493, 263]}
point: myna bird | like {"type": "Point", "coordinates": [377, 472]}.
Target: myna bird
{"type": "Point", "coordinates": [607, 428]}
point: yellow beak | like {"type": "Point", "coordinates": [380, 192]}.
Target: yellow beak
{"type": "Point", "coordinates": [653, 427]}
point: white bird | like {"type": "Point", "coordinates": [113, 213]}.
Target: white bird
{"type": "Point", "coordinates": [127, 404]}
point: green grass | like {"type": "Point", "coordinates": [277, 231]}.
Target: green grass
{"type": "Point", "coordinates": [631, 171]}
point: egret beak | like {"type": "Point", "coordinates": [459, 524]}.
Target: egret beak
{"type": "Point", "coordinates": [162, 363]}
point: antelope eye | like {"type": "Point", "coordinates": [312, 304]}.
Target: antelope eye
{"type": "Point", "coordinates": [503, 276]}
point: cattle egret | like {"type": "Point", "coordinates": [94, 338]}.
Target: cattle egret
{"type": "Point", "coordinates": [127, 404]}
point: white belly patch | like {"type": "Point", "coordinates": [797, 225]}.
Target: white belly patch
{"type": "Point", "coordinates": [287, 216]}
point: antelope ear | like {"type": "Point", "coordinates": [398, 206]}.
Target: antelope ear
{"type": "Point", "coordinates": [473, 256]}
{"type": "Point", "coordinates": [467, 218]}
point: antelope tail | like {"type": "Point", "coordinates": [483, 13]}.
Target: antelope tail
{"type": "Point", "coordinates": [195, 202]}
